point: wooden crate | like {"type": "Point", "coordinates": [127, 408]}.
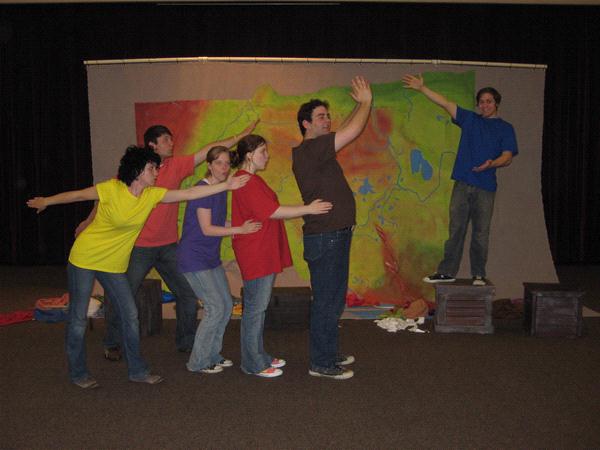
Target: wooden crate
{"type": "Point", "coordinates": [552, 309]}
{"type": "Point", "coordinates": [464, 308]}
{"type": "Point", "coordinates": [148, 301]}
{"type": "Point", "coordinates": [289, 307]}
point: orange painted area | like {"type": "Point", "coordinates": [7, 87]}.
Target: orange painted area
{"type": "Point", "coordinates": [180, 117]}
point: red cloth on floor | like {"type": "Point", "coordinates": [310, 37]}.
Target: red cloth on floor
{"type": "Point", "coordinates": [16, 317]}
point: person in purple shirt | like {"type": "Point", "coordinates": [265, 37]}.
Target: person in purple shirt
{"type": "Point", "coordinates": [199, 259]}
{"type": "Point", "coordinates": [486, 143]}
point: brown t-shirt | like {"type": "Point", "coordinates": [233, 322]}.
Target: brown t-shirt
{"type": "Point", "coordinates": [319, 175]}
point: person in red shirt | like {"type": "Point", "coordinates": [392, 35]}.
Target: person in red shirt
{"type": "Point", "coordinates": [156, 245]}
{"type": "Point", "coordinates": [263, 254]}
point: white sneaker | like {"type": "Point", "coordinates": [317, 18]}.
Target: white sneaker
{"type": "Point", "coordinates": [212, 369]}
{"type": "Point", "coordinates": [278, 362]}
{"type": "Point", "coordinates": [225, 363]}
{"type": "Point", "coordinates": [479, 281]}
{"type": "Point", "coordinates": [270, 372]}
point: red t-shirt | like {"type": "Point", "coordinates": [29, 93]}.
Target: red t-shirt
{"type": "Point", "coordinates": [267, 251]}
{"type": "Point", "coordinates": [161, 226]}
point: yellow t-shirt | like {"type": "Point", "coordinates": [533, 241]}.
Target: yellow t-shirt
{"type": "Point", "coordinates": [106, 244]}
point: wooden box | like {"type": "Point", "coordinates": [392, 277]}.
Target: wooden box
{"type": "Point", "coordinates": [464, 308]}
{"type": "Point", "coordinates": [148, 301]}
{"type": "Point", "coordinates": [288, 307]}
{"type": "Point", "coordinates": [552, 309]}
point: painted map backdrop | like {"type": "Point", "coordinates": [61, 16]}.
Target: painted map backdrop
{"type": "Point", "coordinates": [399, 170]}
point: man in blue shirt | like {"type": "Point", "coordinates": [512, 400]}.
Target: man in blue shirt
{"type": "Point", "coordinates": [487, 142]}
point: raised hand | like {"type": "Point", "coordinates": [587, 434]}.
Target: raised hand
{"type": "Point", "coordinates": [38, 203]}
{"type": "Point", "coordinates": [250, 226]}
{"type": "Point", "coordinates": [413, 82]}
{"type": "Point", "coordinates": [318, 206]}
{"type": "Point", "coordinates": [361, 90]}
{"type": "Point", "coordinates": [234, 182]}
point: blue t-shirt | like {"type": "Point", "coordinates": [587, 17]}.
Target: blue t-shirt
{"type": "Point", "coordinates": [481, 139]}
{"type": "Point", "coordinates": [196, 251]}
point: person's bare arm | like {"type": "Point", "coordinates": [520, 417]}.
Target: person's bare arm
{"type": "Point", "coordinates": [204, 219]}
{"type": "Point", "coordinates": [356, 121]}
{"type": "Point", "coordinates": [84, 224]}
{"type": "Point", "coordinates": [417, 83]}
{"type": "Point", "coordinates": [200, 155]}
{"type": "Point", "coordinates": [290, 212]}
{"type": "Point", "coordinates": [41, 203]}
{"type": "Point", "coordinates": [182, 195]}
{"type": "Point", "coordinates": [503, 160]}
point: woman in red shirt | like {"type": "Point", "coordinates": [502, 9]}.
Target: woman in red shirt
{"type": "Point", "coordinates": [263, 254]}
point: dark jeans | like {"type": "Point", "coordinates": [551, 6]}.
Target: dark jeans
{"type": "Point", "coordinates": [468, 204]}
{"type": "Point", "coordinates": [164, 259]}
{"type": "Point", "coordinates": [328, 258]}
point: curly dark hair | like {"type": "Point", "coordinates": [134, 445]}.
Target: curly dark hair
{"type": "Point", "coordinates": [134, 162]}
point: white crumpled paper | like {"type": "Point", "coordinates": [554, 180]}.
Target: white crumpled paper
{"type": "Point", "coordinates": [393, 324]}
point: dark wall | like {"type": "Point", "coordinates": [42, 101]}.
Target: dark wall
{"type": "Point", "coordinates": [44, 113]}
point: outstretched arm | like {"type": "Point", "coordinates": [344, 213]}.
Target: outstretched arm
{"type": "Point", "coordinates": [200, 155]}
{"type": "Point", "coordinates": [41, 203]}
{"type": "Point", "coordinates": [290, 212]}
{"type": "Point", "coordinates": [182, 195]}
{"type": "Point", "coordinates": [417, 83]}
{"type": "Point", "coordinates": [356, 121]}
{"type": "Point", "coordinates": [501, 161]}
{"type": "Point", "coordinates": [204, 219]}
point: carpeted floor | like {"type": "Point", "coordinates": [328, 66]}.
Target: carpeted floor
{"type": "Point", "coordinates": [506, 390]}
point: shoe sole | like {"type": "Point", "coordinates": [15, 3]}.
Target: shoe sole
{"type": "Point", "coordinates": [158, 380]}
{"type": "Point", "coordinates": [346, 375]}
{"type": "Point", "coordinates": [269, 375]}
{"type": "Point", "coordinates": [349, 360]}
{"type": "Point", "coordinates": [211, 371]}
{"type": "Point", "coordinates": [93, 385]}
{"type": "Point", "coordinates": [427, 280]}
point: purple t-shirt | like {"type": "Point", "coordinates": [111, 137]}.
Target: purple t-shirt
{"type": "Point", "coordinates": [196, 251]}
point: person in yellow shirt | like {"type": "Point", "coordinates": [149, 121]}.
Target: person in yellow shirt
{"type": "Point", "coordinates": [102, 251]}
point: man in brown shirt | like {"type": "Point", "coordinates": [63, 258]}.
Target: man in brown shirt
{"type": "Point", "coordinates": [327, 237]}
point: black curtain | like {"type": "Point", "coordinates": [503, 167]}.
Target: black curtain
{"type": "Point", "coordinates": [44, 118]}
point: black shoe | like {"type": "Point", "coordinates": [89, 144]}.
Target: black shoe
{"type": "Point", "coordinates": [439, 278]}
{"type": "Point", "coordinates": [337, 373]}
{"type": "Point", "coordinates": [112, 354]}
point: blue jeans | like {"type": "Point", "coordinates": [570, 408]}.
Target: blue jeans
{"type": "Point", "coordinates": [117, 287]}
{"type": "Point", "coordinates": [212, 287]}
{"type": "Point", "coordinates": [164, 259]}
{"type": "Point", "coordinates": [328, 258]}
{"type": "Point", "coordinates": [468, 204]}
{"type": "Point", "coordinates": [257, 294]}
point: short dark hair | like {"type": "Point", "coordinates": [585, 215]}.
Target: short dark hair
{"type": "Point", "coordinates": [246, 145]}
{"type": "Point", "coordinates": [489, 90]}
{"type": "Point", "coordinates": [306, 110]}
{"type": "Point", "coordinates": [154, 132]}
{"type": "Point", "coordinates": [134, 162]}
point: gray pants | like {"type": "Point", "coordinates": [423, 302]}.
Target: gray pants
{"type": "Point", "coordinates": [468, 204]}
